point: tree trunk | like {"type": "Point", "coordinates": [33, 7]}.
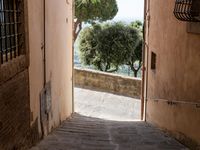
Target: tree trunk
{"type": "Point", "coordinates": [77, 29]}
{"type": "Point", "coordinates": [135, 73]}
{"type": "Point", "coordinates": [128, 71]}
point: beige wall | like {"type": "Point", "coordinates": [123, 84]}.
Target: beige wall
{"type": "Point", "coordinates": [177, 76]}
{"type": "Point", "coordinates": [107, 82]}
{"type": "Point", "coordinates": [36, 39]}
{"type": "Point", "coordinates": [58, 57]}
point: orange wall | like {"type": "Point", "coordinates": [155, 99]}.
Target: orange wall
{"type": "Point", "coordinates": [58, 57]}
{"type": "Point", "coordinates": [177, 76]}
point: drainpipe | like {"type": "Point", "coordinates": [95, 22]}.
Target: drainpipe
{"type": "Point", "coordinates": [73, 72]}
{"type": "Point", "coordinates": [44, 44]}
{"type": "Point", "coordinates": [143, 66]}
{"type": "Point", "coordinates": [147, 55]}
{"type": "Point", "coordinates": [44, 65]}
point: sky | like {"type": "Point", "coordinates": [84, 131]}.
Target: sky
{"type": "Point", "coordinates": [130, 10]}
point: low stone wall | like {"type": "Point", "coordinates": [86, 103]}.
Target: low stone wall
{"type": "Point", "coordinates": [107, 82]}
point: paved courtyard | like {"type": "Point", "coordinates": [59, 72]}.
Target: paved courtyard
{"type": "Point", "coordinates": [106, 106]}
{"type": "Point", "coordinates": [93, 129]}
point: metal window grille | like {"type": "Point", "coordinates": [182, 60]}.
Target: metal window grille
{"type": "Point", "coordinates": [11, 33]}
{"type": "Point", "coordinates": [187, 10]}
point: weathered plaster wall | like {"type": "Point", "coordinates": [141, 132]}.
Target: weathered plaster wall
{"type": "Point", "coordinates": [21, 80]}
{"type": "Point", "coordinates": [177, 74]}
{"type": "Point", "coordinates": [58, 32]}
{"type": "Point", "coordinates": [36, 68]}
{"type": "Point", "coordinates": [117, 84]}
{"type": "Point", "coordinates": [59, 57]}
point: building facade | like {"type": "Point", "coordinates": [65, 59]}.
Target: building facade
{"type": "Point", "coordinates": [35, 69]}
{"type": "Point", "coordinates": [172, 50]}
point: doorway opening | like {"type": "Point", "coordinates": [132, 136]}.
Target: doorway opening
{"type": "Point", "coordinates": [108, 59]}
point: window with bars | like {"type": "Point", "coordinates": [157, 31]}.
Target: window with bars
{"type": "Point", "coordinates": [187, 10]}
{"type": "Point", "coordinates": [11, 29]}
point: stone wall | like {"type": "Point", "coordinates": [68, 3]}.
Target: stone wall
{"type": "Point", "coordinates": [15, 112]}
{"type": "Point", "coordinates": [107, 82]}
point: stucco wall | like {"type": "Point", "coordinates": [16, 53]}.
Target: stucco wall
{"type": "Point", "coordinates": [58, 20]}
{"type": "Point", "coordinates": [107, 82]}
{"type": "Point", "coordinates": [21, 79]}
{"type": "Point", "coordinates": [59, 57]}
{"type": "Point", "coordinates": [177, 74]}
{"type": "Point", "coordinates": [36, 68]}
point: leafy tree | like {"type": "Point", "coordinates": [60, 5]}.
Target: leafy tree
{"type": "Point", "coordinates": [135, 61]}
{"type": "Point", "coordinates": [137, 25]}
{"type": "Point", "coordinates": [91, 11]}
{"type": "Point", "coordinates": [108, 46]}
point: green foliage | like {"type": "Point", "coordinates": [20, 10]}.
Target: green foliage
{"type": "Point", "coordinates": [137, 25]}
{"type": "Point", "coordinates": [108, 46]}
{"type": "Point", "coordinates": [95, 10]}
{"type": "Point", "coordinates": [135, 61]}
{"type": "Point", "coordinates": [91, 11]}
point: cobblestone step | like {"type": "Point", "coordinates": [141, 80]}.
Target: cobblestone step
{"type": "Point", "coordinates": [87, 133]}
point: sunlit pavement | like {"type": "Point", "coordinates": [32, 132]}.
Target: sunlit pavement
{"type": "Point", "coordinates": [106, 122]}
{"type": "Point", "coordinates": [106, 106]}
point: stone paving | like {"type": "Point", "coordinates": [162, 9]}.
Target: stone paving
{"type": "Point", "coordinates": [106, 105]}
{"type": "Point", "coordinates": [91, 133]}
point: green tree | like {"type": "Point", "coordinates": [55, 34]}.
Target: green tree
{"type": "Point", "coordinates": [108, 46]}
{"type": "Point", "coordinates": [91, 11]}
{"type": "Point", "coordinates": [135, 61]}
{"type": "Point", "coordinates": [137, 25]}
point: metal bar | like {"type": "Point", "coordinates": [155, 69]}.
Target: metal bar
{"type": "Point", "coordinates": [12, 35]}
{"type": "Point", "coordinates": [187, 10]}
{"type": "Point", "coordinates": [1, 46]}
{"type": "Point", "coordinates": [15, 28]}
{"type": "Point", "coordinates": [11, 29]}
{"type": "Point", "coordinates": [16, 11]}
{"type": "Point", "coordinates": [11, 23]}
{"type": "Point", "coordinates": [13, 47]}
{"type": "Point", "coordinates": [10, 32]}
{"type": "Point", "coordinates": [5, 29]}
{"type": "Point", "coordinates": [175, 101]}
{"type": "Point", "coordinates": [20, 27]}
